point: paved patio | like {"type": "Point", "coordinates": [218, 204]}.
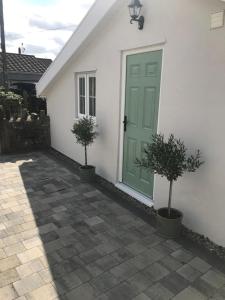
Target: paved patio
{"type": "Point", "coordinates": [61, 239]}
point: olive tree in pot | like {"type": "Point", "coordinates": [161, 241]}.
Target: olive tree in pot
{"type": "Point", "coordinates": [84, 131]}
{"type": "Point", "coordinates": [169, 159]}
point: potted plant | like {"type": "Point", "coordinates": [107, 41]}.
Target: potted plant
{"type": "Point", "coordinates": [85, 134]}
{"type": "Point", "coordinates": [169, 159]}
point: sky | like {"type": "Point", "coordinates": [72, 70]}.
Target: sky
{"type": "Point", "coordinates": [43, 26]}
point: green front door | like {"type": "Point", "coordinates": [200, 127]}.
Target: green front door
{"type": "Point", "coordinates": [141, 113]}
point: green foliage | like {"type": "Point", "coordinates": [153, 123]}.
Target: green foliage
{"type": "Point", "coordinates": [8, 97]}
{"type": "Point", "coordinates": [10, 102]}
{"type": "Point", "coordinates": [169, 158]}
{"type": "Point", "coordinates": [84, 131]}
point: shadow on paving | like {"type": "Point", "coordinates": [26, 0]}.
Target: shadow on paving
{"type": "Point", "coordinates": [83, 233]}
{"type": "Point", "coordinates": [91, 247]}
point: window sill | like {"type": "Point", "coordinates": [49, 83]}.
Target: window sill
{"type": "Point", "coordinates": [76, 119]}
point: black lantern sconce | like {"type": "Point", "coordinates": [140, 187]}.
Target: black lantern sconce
{"type": "Point", "coordinates": [135, 11]}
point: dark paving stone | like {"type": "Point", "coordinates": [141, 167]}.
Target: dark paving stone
{"type": "Point", "coordinates": [159, 292]}
{"type": "Point", "coordinates": [54, 258]}
{"type": "Point", "coordinates": [124, 271]}
{"type": "Point", "coordinates": [49, 237]}
{"type": "Point", "coordinates": [71, 280]}
{"type": "Point", "coordinates": [172, 245]}
{"type": "Point", "coordinates": [171, 263]}
{"type": "Point", "coordinates": [182, 255]}
{"type": "Point", "coordinates": [85, 291]}
{"type": "Point", "coordinates": [175, 283]}
{"type": "Point", "coordinates": [94, 270]}
{"type": "Point", "coordinates": [107, 262]}
{"type": "Point", "coordinates": [136, 248]}
{"type": "Point", "coordinates": [60, 269]}
{"type": "Point", "coordinates": [204, 288]}
{"type": "Point", "coordinates": [162, 249]}
{"type": "Point", "coordinates": [156, 271]}
{"type": "Point", "coordinates": [90, 256]}
{"type": "Point", "coordinates": [189, 273]}
{"type": "Point", "coordinates": [151, 241]}
{"type": "Point", "coordinates": [123, 291]}
{"type": "Point", "coordinates": [122, 254]}
{"type": "Point", "coordinates": [141, 281]}
{"type": "Point", "coordinates": [83, 274]}
{"type": "Point", "coordinates": [104, 282]}
{"type": "Point", "coordinates": [108, 247]}
{"type": "Point", "coordinates": [145, 259]}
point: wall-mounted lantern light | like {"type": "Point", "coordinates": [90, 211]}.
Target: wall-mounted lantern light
{"type": "Point", "coordinates": [135, 11]}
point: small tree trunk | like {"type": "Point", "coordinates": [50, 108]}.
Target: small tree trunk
{"type": "Point", "coordinates": [170, 198]}
{"type": "Point", "coordinates": [85, 150]}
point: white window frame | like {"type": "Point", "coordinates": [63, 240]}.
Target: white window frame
{"type": "Point", "coordinates": [85, 75]}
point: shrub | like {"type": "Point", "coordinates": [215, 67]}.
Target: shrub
{"type": "Point", "coordinates": [84, 131]}
{"type": "Point", "coordinates": [10, 102]}
{"type": "Point", "coordinates": [169, 159]}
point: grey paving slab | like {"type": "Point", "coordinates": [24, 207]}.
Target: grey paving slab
{"type": "Point", "coordinates": [203, 287]}
{"type": "Point", "coordinates": [85, 291]}
{"type": "Point", "coordinates": [124, 271]}
{"type": "Point", "coordinates": [171, 263]}
{"type": "Point", "coordinates": [156, 271]}
{"type": "Point", "coordinates": [200, 265]}
{"type": "Point", "coordinates": [216, 279]}
{"type": "Point", "coordinates": [188, 272]}
{"type": "Point", "coordinates": [174, 282]}
{"type": "Point", "coordinates": [159, 292]}
{"type": "Point", "coordinates": [123, 291]}
{"type": "Point", "coordinates": [142, 297]}
{"type": "Point", "coordinates": [61, 239]}
{"type": "Point", "coordinates": [190, 294]}
{"type": "Point", "coordinates": [104, 282]}
{"type": "Point", "coordinates": [182, 255]}
{"type": "Point", "coordinates": [141, 281]}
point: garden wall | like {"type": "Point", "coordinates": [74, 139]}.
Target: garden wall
{"type": "Point", "coordinates": [24, 135]}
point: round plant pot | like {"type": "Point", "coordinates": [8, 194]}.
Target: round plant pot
{"type": "Point", "coordinates": [87, 173]}
{"type": "Point", "coordinates": [169, 227]}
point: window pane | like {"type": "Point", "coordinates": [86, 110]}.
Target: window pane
{"type": "Point", "coordinates": [92, 83]}
{"type": "Point", "coordinates": [92, 96]}
{"type": "Point", "coordinates": [81, 81]}
{"type": "Point", "coordinates": [92, 105]}
{"type": "Point", "coordinates": [82, 105]}
{"type": "Point", "coordinates": [82, 95]}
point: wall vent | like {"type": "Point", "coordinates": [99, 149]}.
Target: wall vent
{"type": "Point", "coordinates": [217, 20]}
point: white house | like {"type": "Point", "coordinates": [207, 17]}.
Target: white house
{"type": "Point", "coordinates": [167, 78]}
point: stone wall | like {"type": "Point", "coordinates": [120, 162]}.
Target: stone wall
{"type": "Point", "coordinates": [24, 135]}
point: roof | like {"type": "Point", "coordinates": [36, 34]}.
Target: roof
{"type": "Point", "coordinates": [21, 63]}
{"type": "Point", "coordinates": [99, 10]}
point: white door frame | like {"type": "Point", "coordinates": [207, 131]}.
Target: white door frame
{"type": "Point", "coordinates": [124, 54]}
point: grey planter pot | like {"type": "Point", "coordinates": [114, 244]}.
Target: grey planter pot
{"type": "Point", "coordinates": [169, 228]}
{"type": "Point", "coordinates": [87, 173]}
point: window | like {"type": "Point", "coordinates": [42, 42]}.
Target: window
{"type": "Point", "coordinates": [87, 95]}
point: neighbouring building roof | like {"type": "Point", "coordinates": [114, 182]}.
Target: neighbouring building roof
{"type": "Point", "coordinates": [21, 67]}
{"type": "Point", "coordinates": [99, 10]}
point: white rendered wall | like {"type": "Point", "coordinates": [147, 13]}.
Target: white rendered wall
{"type": "Point", "coordinates": [192, 100]}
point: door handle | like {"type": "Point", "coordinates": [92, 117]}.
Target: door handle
{"type": "Point", "coordinates": [125, 124]}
